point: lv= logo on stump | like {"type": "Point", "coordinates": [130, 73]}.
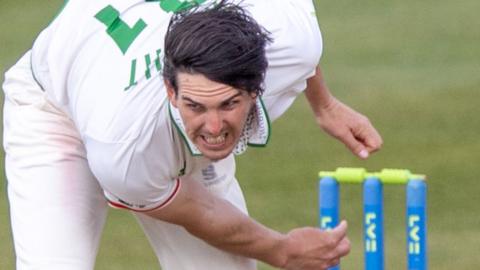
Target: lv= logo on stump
{"type": "Point", "coordinates": [416, 211]}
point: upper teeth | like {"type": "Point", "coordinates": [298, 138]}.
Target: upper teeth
{"type": "Point", "coordinates": [215, 140]}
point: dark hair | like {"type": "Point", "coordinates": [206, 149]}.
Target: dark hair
{"type": "Point", "coordinates": [221, 42]}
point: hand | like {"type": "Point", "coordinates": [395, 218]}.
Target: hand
{"type": "Point", "coordinates": [313, 249]}
{"type": "Point", "coordinates": [350, 127]}
{"type": "Point", "coordinates": [339, 120]}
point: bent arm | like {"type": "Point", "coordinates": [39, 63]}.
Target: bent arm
{"type": "Point", "coordinates": [337, 119]}
{"type": "Point", "coordinates": [222, 225]}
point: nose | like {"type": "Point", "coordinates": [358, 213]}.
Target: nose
{"type": "Point", "coordinates": [214, 123]}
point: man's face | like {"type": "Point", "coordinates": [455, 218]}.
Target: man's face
{"type": "Point", "coordinates": [214, 114]}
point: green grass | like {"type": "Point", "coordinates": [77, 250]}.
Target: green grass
{"type": "Point", "coordinates": [411, 66]}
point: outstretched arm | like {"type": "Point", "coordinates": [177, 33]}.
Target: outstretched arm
{"type": "Point", "coordinates": [337, 119]}
{"type": "Point", "coordinates": [222, 225]}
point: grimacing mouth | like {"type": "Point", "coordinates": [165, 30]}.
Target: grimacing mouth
{"type": "Point", "coordinates": [215, 140]}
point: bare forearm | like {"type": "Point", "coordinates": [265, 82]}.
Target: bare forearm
{"type": "Point", "coordinates": [317, 93]}
{"type": "Point", "coordinates": [339, 120]}
{"type": "Point", "coordinates": [233, 231]}
{"type": "Point", "coordinates": [221, 224]}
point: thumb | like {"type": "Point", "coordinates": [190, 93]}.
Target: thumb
{"type": "Point", "coordinates": [340, 231]}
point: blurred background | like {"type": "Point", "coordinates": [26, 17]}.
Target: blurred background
{"type": "Point", "coordinates": [413, 67]}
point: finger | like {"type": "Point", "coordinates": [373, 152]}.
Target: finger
{"type": "Point", "coordinates": [344, 247]}
{"type": "Point", "coordinates": [371, 138]}
{"type": "Point", "coordinates": [333, 263]}
{"type": "Point", "coordinates": [340, 231]}
{"type": "Point", "coordinates": [355, 145]}
{"type": "Point", "coordinates": [374, 144]}
{"type": "Point", "coordinates": [366, 140]}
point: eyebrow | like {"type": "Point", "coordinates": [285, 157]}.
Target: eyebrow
{"type": "Point", "coordinates": [223, 102]}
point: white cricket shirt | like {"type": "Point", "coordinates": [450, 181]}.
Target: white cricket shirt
{"type": "Point", "coordinates": [100, 62]}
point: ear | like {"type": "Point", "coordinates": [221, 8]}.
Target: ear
{"type": "Point", "coordinates": [172, 96]}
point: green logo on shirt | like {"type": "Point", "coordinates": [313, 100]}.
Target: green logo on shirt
{"type": "Point", "coordinates": [124, 35]}
{"type": "Point", "coordinates": [117, 29]}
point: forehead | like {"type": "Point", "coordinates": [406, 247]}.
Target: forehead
{"type": "Point", "coordinates": [200, 86]}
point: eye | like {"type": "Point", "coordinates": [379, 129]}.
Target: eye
{"type": "Point", "coordinates": [230, 105]}
{"type": "Point", "coordinates": [194, 107]}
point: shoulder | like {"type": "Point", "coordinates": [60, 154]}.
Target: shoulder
{"type": "Point", "coordinates": [294, 29]}
{"type": "Point", "coordinates": [94, 45]}
{"type": "Point", "coordinates": [294, 53]}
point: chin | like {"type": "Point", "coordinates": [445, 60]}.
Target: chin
{"type": "Point", "coordinates": [216, 156]}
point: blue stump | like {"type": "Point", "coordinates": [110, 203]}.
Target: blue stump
{"type": "Point", "coordinates": [373, 223]}
{"type": "Point", "coordinates": [329, 205]}
{"type": "Point", "coordinates": [417, 225]}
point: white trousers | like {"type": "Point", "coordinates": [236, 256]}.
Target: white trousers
{"type": "Point", "coordinates": [57, 207]}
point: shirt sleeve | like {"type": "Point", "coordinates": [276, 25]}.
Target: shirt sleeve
{"type": "Point", "coordinates": [141, 173]}
{"type": "Point", "coordinates": [294, 53]}
{"type": "Point", "coordinates": [117, 202]}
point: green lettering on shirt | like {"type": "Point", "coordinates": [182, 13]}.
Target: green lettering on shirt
{"type": "Point", "coordinates": [148, 74]}
{"type": "Point", "coordinates": [150, 68]}
{"type": "Point", "coordinates": [133, 68]}
{"type": "Point", "coordinates": [158, 64]}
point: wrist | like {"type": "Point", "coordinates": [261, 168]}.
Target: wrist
{"type": "Point", "coordinates": [288, 250]}
{"type": "Point", "coordinates": [326, 105]}
{"type": "Point", "coordinates": [319, 96]}
{"type": "Point", "coordinates": [278, 254]}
